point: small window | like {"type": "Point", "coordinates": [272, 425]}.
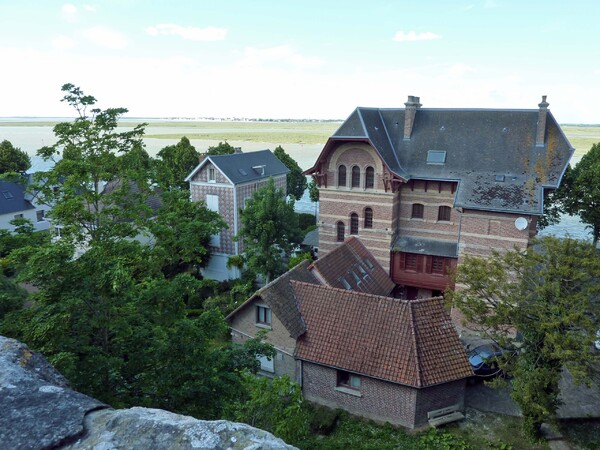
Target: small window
{"type": "Point", "coordinates": [355, 276]}
{"type": "Point", "coordinates": [369, 264]}
{"type": "Point", "coordinates": [354, 223]}
{"type": "Point", "coordinates": [40, 215]}
{"type": "Point", "coordinates": [410, 262]}
{"type": "Point", "coordinates": [7, 195]}
{"type": "Point", "coordinates": [437, 265]}
{"type": "Point", "coordinates": [368, 218]}
{"type": "Point", "coordinates": [436, 157]}
{"type": "Point", "coordinates": [345, 284]}
{"type": "Point", "coordinates": [444, 213]}
{"type": "Point", "coordinates": [18, 216]}
{"type": "Point", "coordinates": [348, 380]}
{"type": "Point", "coordinates": [211, 174]}
{"type": "Point", "coordinates": [499, 178]}
{"type": "Point", "coordinates": [369, 178]}
{"type": "Point", "coordinates": [355, 176]}
{"type": "Point", "coordinates": [263, 315]}
{"type": "Point", "coordinates": [341, 231]}
{"type": "Point", "coordinates": [342, 176]}
{"type": "Point", "coordinates": [417, 211]}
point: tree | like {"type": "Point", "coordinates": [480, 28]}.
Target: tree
{"type": "Point", "coordinates": [296, 180]}
{"type": "Point", "coordinates": [13, 159]}
{"type": "Point", "coordinates": [224, 148]}
{"type": "Point", "coordinates": [550, 294]}
{"type": "Point", "coordinates": [269, 230]}
{"type": "Point", "coordinates": [94, 156]}
{"type": "Point", "coordinates": [582, 190]}
{"type": "Point", "coordinates": [313, 191]}
{"type": "Point", "coordinates": [175, 163]}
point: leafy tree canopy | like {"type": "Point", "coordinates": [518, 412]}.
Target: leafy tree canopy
{"type": "Point", "coordinates": [296, 181]}
{"type": "Point", "coordinates": [550, 294]}
{"type": "Point", "coordinates": [269, 230]}
{"type": "Point", "coordinates": [313, 191]}
{"type": "Point", "coordinates": [224, 148]}
{"type": "Point", "coordinates": [175, 163]}
{"type": "Point", "coordinates": [13, 159]}
{"type": "Point", "coordinates": [582, 190]}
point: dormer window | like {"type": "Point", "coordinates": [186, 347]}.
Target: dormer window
{"type": "Point", "coordinates": [259, 170]}
{"type": "Point", "coordinates": [436, 157]}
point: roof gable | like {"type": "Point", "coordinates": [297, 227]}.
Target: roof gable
{"type": "Point", "coordinates": [352, 266]}
{"type": "Point", "coordinates": [244, 167]}
{"type": "Point", "coordinates": [408, 342]}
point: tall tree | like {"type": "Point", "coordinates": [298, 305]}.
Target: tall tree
{"type": "Point", "coordinates": [582, 190]}
{"type": "Point", "coordinates": [175, 163]}
{"type": "Point", "coordinates": [13, 159]}
{"type": "Point", "coordinates": [269, 230]}
{"type": "Point", "coordinates": [224, 148]}
{"type": "Point", "coordinates": [313, 191]}
{"type": "Point", "coordinates": [296, 180]}
{"type": "Point", "coordinates": [550, 294]}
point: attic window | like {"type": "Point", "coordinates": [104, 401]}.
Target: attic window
{"type": "Point", "coordinates": [7, 195]}
{"type": "Point", "coordinates": [499, 178]}
{"type": "Point", "coordinates": [259, 169]}
{"type": "Point", "coordinates": [436, 157]}
{"type": "Point", "coordinates": [345, 284]}
{"type": "Point", "coordinates": [243, 172]}
{"type": "Point", "coordinates": [369, 264]}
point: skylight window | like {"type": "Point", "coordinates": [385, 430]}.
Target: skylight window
{"type": "Point", "coordinates": [243, 172]}
{"type": "Point", "coordinates": [499, 178]}
{"type": "Point", "coordinates": [346, 284]}
{"type": "Point", "coordinates": [7, 195]}
{"type": "Point", "coordinates": [436, 157]}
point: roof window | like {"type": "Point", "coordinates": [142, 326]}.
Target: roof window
{"type": "Point", "coordinates": [243, 172]}
{"type": "Point", "coordinates": [436, 157]}
{"type": "Point", "coordinates": [499, 178]}
{"type": "Point", "coordinates": [7, 195]}
{"type": "Point", "coordinates": [345, 284]}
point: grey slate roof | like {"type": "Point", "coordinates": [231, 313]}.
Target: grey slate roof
{"type": "Point", "coordinates": [278, 294]}
{"type": "Point", "coordinates": [12, 198]}
{"type": "Point", "coordinates": [479, 144]}
{"type": "Point", "coordinates": [242, 167]}
{"type": "Point", "coordinates": [425, 246]}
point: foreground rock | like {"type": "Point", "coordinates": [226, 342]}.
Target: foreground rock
{"type": "Point", "coordinates": [38, 410]}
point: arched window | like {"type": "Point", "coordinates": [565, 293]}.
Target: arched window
{"type": "Point", "coordinates": [417, 211]}
{"type": "Point", "coordinates": [342, 176]}
{"type": "Point", "coordinates": [444, 213]}
{"type": "Point", "coordinates": [369, 178]}
{"type": "Point", "coordinates": [353, 223]}
{"type": "Point", "coordinates": [368, 218]}
{"type": "Point", "coordinates": [341, 231]}
{"type": "Point", "coordinates": [355, 176]}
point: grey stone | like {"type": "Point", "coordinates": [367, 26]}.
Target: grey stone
{"type": "Point", "coordinates": [38, 410]}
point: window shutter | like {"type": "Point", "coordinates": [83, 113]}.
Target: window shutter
{"type": "Point", "coordinates": [400, 261]}
{"type": "Point", "coordinates": [428, 263]}
{"type": "Point", "coordinates": [420, 263]}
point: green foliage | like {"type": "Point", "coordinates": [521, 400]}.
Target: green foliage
{"type": "Point", "coordinates": [297, 259]}
{"type": "Point", "coordinates": [224, 148]}
{"type": "Point", "coordinates": [175, 163]}
{"type": "Point", "coordinates": [13, 159]}
{"type": "Point", "coordinates": [22, 236]}
{"type": "Point", "coordinates": [274, 405]}
{"type": "Point", "coordinates": [12, 297]}
{"type": "Point", "coordinates": [437, 439]}
{"type": "Point", "coordinates": [554, 202]}
{"type": "Point", "coordinates": [313, 191]}
{"type": "Point", "coordinates": [550, 295]}
{"type": "Point", "coordinates": [269, 229]}
{"type": "Point", "coordinates": [306, 221]}
{"type": "Point", "coordinates": [296, 180]}
{"type": "Point", "coordinates": [582, 190]}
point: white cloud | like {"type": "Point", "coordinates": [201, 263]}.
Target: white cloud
{"type": "Point", "coordinates": [190, 33]}
{"type": "Point", "coordinates": [105, 37]}
{"type": "Point", "coordinates": [69, 12]}
{"type": "Point", "coordinates": [412, 36]}
{"type": "Point", "coordinates": [90, 8]}
{"type": "Point", "coordinates": [63, 42]}
{"type": "Point", "coordinates": [459, 69]}
{"type": "Point", "coordinates": [597, 72]}
{"type": "Point", "coordinates": [280, 54]}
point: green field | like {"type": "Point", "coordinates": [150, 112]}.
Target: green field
{"type": "Point", "coordinates": [582, 137]}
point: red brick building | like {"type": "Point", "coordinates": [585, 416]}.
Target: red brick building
{"type": "Point", "coordinates": [224, 183]}
{"type": "Point", "coordinates": [421, 186]}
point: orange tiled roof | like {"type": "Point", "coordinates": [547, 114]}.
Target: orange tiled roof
{"type": "Point", "coordinates": [408, 342]}
{"type": "Point", "coordinates": [352, 266]}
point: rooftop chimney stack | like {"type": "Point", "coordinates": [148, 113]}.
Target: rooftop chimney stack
{"type": "Point", "coordinates": [541, 123]}
{"type": "Point", "coordinates": [409, 115]}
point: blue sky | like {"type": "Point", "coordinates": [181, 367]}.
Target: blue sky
{"type": "Point", "coordinates": [300, 59]}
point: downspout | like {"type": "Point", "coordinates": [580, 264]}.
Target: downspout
{"type": "Point", "coordinates": [460, 211]}
{"type": "Point", "coordinates": [236, 244]}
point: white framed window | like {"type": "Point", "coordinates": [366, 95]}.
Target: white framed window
{"type": "Point", "coordinates": [263, 315]}
{"type": "Point", "coordinates": [266, 364]}
{"type": "Point", "coordinates": [40, 215]}
{"type": "Point", "coordinates": [211, 175]}
{"type": "Point", "coordinates": [212, 203]}
{"type": "Point", "coordinates": [348, 380]}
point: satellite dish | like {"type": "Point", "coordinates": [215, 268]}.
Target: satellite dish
{"type": "Point", "coordinates": [521, 223]}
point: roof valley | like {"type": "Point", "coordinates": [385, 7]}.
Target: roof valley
{"type": "Point", "coordinates": [415, 343]}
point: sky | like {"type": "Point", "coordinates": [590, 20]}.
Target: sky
{"type": "Point", "coordinates": [300, 59]}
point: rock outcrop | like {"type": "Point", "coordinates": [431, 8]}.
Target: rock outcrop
{"type": "Point", "coordinates": [38, 410]}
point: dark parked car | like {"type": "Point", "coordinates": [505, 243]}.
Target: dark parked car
{"type": "Point", "coordinates": [484, 360]}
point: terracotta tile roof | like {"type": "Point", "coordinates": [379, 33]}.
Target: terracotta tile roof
{"type": "Point", "coordinates": [279, 296]}
{"type": "Point", "coordinates": [352, 266]}
{"type": "Point", "coordinates": [408, 342]}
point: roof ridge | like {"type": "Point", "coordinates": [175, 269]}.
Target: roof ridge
{"type": "Point", "coordinates": [389, 138]}
{"type": "Point", "coordinates": [415, 344]}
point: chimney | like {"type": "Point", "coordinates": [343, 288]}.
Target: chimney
{"type": "Point", "coordinates": [541, 123]}
{"type": "Point", "coordinates": [409, 115]}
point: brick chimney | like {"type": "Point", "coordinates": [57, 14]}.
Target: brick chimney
{"type": "Point", "coordinates": [541, 123]}
{"type": "Point", "coordinates": [409, 115]}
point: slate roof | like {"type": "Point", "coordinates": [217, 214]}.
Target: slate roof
{"type": "Point", "coordinates": [278, 295]}
{"type": "Point", "coordinates": [12, 198]}
{"type": "Point", "coordinates": [479, 144]}
{"type": "Point", "coordinates": [410, 342]}
{"type": "Point", "coordinates": [425, 246]}
{"type": "Point", "coordinates": [243, 167]}
{"type": "Point", "coordinates": [351, 264]}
